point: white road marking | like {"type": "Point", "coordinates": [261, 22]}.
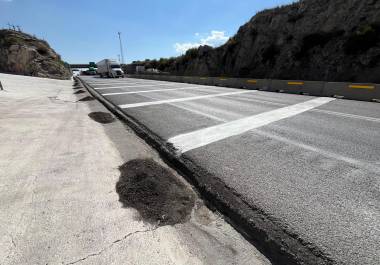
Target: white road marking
{"type": "Point", "coordinates": [197, 112]}
{"type": "Point", "coordinates": [358, 163]}
{"type": "Point", "coordinates": [129, 86]}
{"type": "Point", "coordinates": [189, 141]}
{"type": "Point", "coordinates": [370, 166]}
{"type": "Point", "coordinates": [346, 115]}
{"type": "Point", "coordinates": [340, 114]}
{"type": "Point", "coordinates": [114, 83]}
{"type": "Point", "coordinates": [119, 83]}
{"type": "Point", "coordinates": [150, 91]}
{"type": "Point", "coordinates": [158, 102]}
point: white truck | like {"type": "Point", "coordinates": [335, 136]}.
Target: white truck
{"type": "Point", "coordinates": [109, 68]}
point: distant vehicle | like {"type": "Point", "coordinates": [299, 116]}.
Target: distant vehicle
{"type": "Point", "coordinates": [109, 68]}
{"type": "Point", "coordinates": [75, 72]}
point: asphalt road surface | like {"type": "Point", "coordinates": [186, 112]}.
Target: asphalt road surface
{"type": "Point", "coordinates": [311, 163]}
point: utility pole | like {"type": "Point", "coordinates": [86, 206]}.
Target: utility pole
{"type": "Point", "coordinates": [121, 48]}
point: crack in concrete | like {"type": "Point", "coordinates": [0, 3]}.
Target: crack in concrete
{"type": "Point", "coordinates": [111, 245]}
{"type": "Point", "coordinates": [62, 100]}
{"type": "Point", "coordinates": [13, 241]}
{"type": "Point", "coordinates": [55, 98]}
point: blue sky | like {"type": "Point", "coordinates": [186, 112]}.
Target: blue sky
{"type": "Point", "coordinates": [84, 30]}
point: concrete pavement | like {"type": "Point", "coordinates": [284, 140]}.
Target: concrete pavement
{"type": "Point", "coordinates": [59, 165]}
{"type": "Point", "coordinates": [309, 166]}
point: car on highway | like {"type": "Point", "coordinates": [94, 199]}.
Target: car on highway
{"type": "Point", "coordinates": [75, 72]}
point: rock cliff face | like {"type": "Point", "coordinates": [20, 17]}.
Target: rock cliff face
{"type": "Point", "coordinates": [23, 54]}
{"type": "Point", "coordinates": [327, 40]}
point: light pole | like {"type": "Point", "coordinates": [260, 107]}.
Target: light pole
{"type": "Point", "coordinates": [121, 48]}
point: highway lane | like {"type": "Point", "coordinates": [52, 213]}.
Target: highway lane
{"type": "Point", "coordinates": [311, 163]}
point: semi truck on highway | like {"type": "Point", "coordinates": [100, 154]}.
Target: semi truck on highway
{"type": "Point", "coordinates": [109, 68]}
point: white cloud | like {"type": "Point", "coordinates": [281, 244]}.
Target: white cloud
{"type": "Point", "coordinates": [183, 47]}
{"type": "Point", "coordinates": [214, 39]}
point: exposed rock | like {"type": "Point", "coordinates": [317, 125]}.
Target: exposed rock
{"type": "Point", "coordinates": [23, 54]}
{"type": "Point", "coordinates": [328, 40]}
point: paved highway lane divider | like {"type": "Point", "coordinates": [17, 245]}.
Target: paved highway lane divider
{"type": "Point", "coordinates": [346, 90]}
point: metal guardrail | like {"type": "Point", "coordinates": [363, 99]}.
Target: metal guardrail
{"type": "Point", "coordinates": [346, 90]}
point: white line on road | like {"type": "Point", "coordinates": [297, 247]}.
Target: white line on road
{"type": "Point", "coordinates": [347, 115]}
{"type": "Point", "coordinates": [158, 102]}
{"type": "Point", "coordinates": [115, 83]}
{"type": "Point", "coordinates": [213, 117]}
{"type": "Point", "coordinates": [340, 114]}
{"type": "Point", "coordinates": [358, 163]}
{"type": "Point", "coordinates": [150, 91]}
{"type": "Point", "coordinates": [189, 141]}
{"type": "Point", "coordinates": [370, 166]}
{"type": "Point", "coordinates": [122, 83]}
{"type": "Point", "coordinates": [129, 86]}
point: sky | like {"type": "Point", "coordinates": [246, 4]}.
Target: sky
{"type": "Point", "coordinates": [83, 31]}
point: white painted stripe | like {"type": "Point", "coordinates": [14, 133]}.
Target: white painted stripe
{"type": "Point", "coordinates": [370, 166]}
{"type": "Point", "coordinates": [150, 91]}
{"type": "Point", "coordinates": [347, 115]}
{"type": "Point", "coordinates": [358, 163]}
{"type": "Point", "coordinates": [189, 141]}
{"type": "Point", "coordinates": [115, 83]}
{"type": "Point", "coordinates": [128, 86]}
{"type": "Point", "coordinates": [126, 81]}
{"type": "Point", "coordinates": [213, 117]}
{"type": "Point", "coordinates": [340, 114]}
{"type": "Point", "coordinates": [158, 102]}
{"type": "Point", "coordinates": [121, 83]}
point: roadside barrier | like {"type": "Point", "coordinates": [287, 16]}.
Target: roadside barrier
{"type": "Point", "coordinates": [346, 90]}
{"type": "Point", "coordinates": [365, 92]}
{"type": "Point", "coordinates": [313, 88]}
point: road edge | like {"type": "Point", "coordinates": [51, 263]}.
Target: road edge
{"type": "Point", "coordinates": [266, 234]}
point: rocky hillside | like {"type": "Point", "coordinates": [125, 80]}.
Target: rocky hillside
{"type": "Point", "coordinates": [23, 54]}
{"type": "Point", "coordinates": [331, 40]}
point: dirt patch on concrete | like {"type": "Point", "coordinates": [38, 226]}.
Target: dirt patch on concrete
{"type": "Point", "coordinates": [102, 117]}
{"type": "Point", "coordinates": [88, 98]}
{"type": "Point", "coordinates": [154, 192]}
{"type": "Point", "coordinates": [79, 92]}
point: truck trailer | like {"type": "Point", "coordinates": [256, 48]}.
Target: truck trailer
{"type": "Point", "coordinates": [109, 68]}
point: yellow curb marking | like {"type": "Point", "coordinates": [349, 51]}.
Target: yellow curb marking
{"type": "Point", "coordinates": [295, 83]}
{"type": "Point", "coordinates": [362, 87]}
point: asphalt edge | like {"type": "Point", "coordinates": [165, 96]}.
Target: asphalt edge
{"type": "Point", "coordinates": [280, 246]}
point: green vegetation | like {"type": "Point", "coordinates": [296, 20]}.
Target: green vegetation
{"type": "Point", "coordinates": [162, 64]}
